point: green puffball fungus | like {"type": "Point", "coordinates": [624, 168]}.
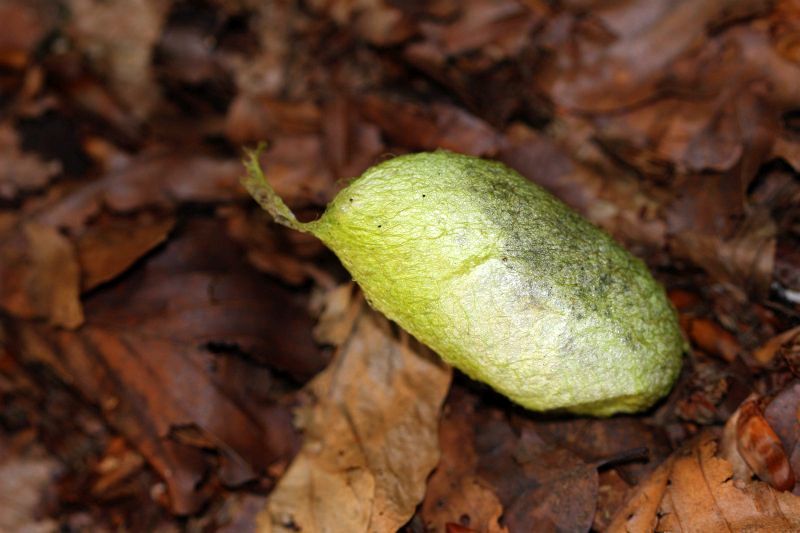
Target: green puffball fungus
{"type": "Point", "coordinates": [502, 280]}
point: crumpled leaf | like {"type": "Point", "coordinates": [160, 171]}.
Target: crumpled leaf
{"type": "Point", "coordinates": [782, 416]}
{"type": "Point", "coordinates": [370, 436]}
{"type": "Point", "coordinates": [501, 25]}
{"type": "Point", "coordinates": [109, 248]}
{"type": "Point", "coordinates": [119, 37]}
{"type": "Point", "coordinates": [439, 125]}
{"type": "Point", "coordinates": [21, 172]}
{"type": "Point", "coordinates": [712, 338]}
{"type": "Point", "coordinates": [109, 224]}
{"type": "Point", "coordinates": [377, 21]}
{"type": "Point", "coordinates": [24, 24]}
{"type": "Point", "coordinates": [40, 276]}
{"type": "Point", "coordinates": [24, 478]}
{"type": "Point", "coordinates": [765, 353]}
{"type": "Point", "coordinates": [455, 492]}
{"type": "Point", "coordinates": [694, 490]}
{"type": "Point", "coordinates": [286, 255]}
{"type": "Point", "coordinates": [762, 438]}
{"type": "Point", "coordinates": [503, 472]}
{"type": "Point", "coordinates": [175, 355]}
{"type": "Point", "coordinates": [745, 259]}
{"type": "Point", "coordinates": [646, 39]}
{"type": "Point", "coordinates": [537, 482]}
{"type": "Point", "coordinates": [749, 434]}
{"type": "Point", "coordinates": [251, 119]}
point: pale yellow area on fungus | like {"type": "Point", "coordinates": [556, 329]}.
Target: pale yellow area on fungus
{"type": "Point", "coordinates": [502, 280]}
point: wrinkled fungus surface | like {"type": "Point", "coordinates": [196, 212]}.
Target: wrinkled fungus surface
{"type": "Point", "coordinates": [502, 280]}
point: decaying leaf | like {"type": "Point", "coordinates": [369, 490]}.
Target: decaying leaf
{"type": "Point", "coordinates": [762, 438]}
{"type": "Point", "coordinates": [119, 36]}
{"type": "Point", "coordinates": [760, 447]}
{"type": "Point", "coordinates": [507, 473]}
{"type": "Point", "coordinates": [712, 338]}
{"type": "Point", "coordinates": [180, 348]}
{"type": "Point", "coordinates": [21, 172]}
{"type": "Point", "coordinates": [455, 492]}
{"type": "Point", "coordinates": [370, 436]}
{"type": "Point", "coordinates": [24, 478]}
{"type": "Point", "coordinates": [429, 127]}
{"type": "Point", "coordinates": [695, 490]}
{"type": "Point", "coordinates": [40, 276]}
{"type": "Point", "coordinates": [109, 248]}
{"type": "Point", "coordinates": [673, 124]}
{"type": "Point", "coordinates": [766, 352]}
{"type": "Point", "coordinates": [286, 255]}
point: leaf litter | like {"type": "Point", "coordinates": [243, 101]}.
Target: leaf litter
{"type": "Point", "coordinates": [374, 415]}
{"type": "Point", "coordinates": [142, 291]}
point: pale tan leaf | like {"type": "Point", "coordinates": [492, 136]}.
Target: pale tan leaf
{"type": "Point", "coordinates": [119, 37]}
{"type": "Point", "coordinates": [370, 438]}
{"type": "Point", "coordinates": [696, 491]}
{"type": "Point", "coordinates": [40, 276]}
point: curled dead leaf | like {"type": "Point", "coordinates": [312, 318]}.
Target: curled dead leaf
{"type": "Point", "coordinates": [370, 436]}
{"type": "Point", "coordinates": [109, 247]}
{"type": "Point", "coordinates": [695, 490]}
{"type": "Point", "coordinates": [430, 127]}
{"type": "Point", "coordinates": [21, 172]}
{"type": "Point", "coordinates": [179, 357]}
{"type": "Point", "coordinates": [761, 448]}
{"type": "Point", "coordinates": [767, 351]}
{"type": "Point", "coordinates": [712, 338]}
{"type": "Point", "coordinates": [119, 37]}
{"type": "Point", "coordinates": [40, 276]}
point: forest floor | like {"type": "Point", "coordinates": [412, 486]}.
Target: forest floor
{"type": "Point", "coordinates": [165, 349]}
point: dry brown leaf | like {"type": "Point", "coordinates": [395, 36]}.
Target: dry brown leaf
{"type": "Point", "coordinates": [41, 276]}
{"type": "Point", "coordinates": [377, 21]}
{"type": "Point", "coordinates": [25, 22]}
{"type": "Point", "coordinates": [505, 473]}
{"type": "Point", "coordinates": [119, 37]}
{"type": "Point", "coordinates": [694, 490]}
{"type": "Point", "coordinates": [109, 247]}
{"type": "Point", "coordinates": [536, 482]}
{"type": "Point", "coordinates": [370, 437]}
{"type": "Point", "coordinates": [252, 119]}
{"type": "Point", "coordinates": [455, 492]}
{"type": "Point", "coordinates": [150, 181]}
{"type": "Point", "coordinates": [21, 173]}
{"type": "Point", "coordinates": [39, 264]}
{"type": "Point", "coordinates": [712, 104]}
{"type": "Point", "coordinates": [484, 52]}
{"type": "Point", "coordinates": [384, 25]}
{"type": "Point", "coordinates": [351, 143]}
{"type": "Point", "coordinates": [765, 353]}
{"type": "Point", "coordinates": [337, 316]}
{"type": "Point", "coordinates": [646, 39]}
{"type": "Point", "coordinates": [762, 438]}
{"type": "Point", "coordinates": [782, 414]}
{"type": "Point", "coordinates": [715, 225]}
{"type": "Point", "coordinates": [760, 447]}
{"type": "Point", "coordinates": [167, 179]}
{"type": "Point", "coordinates": [611, 493]}
{"type": "Point", "coordinates": [24, 479]}
{"type": "Point", "coordinates": [273, 249]}
{"type": "Point", "coordinates": [179, 348]}
{"type": "Point", "coordinates": [712, 338]}
{"type": "Point", "coordinates": [498, 28]}
{"type": "Point", "coordinates": [297, 169]}
{"type": "Point", "coordinates": [430, 127]}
